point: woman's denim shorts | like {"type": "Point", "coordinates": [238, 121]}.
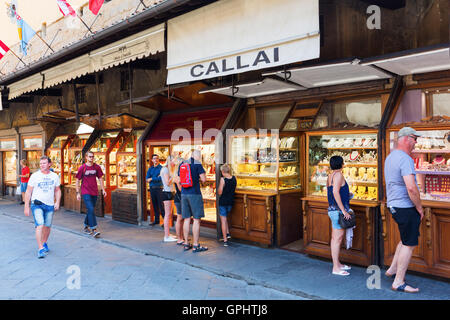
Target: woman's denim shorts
{"type": "Point", "coordinates": [334, 217]}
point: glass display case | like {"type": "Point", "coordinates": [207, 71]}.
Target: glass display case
{"type": "Point", "coordinates": [208, 189]}
{"type": "Point", "coordinates": [58, 154]}
{"type": "Point", "coordinates": [432, 163]}
{"type": "Point", "coordinates": [75, 156]}
{"type": "Point", "coordinates": [265, 163]}
{"type": "Point", "coordinates": [360, 154]}
{"type": "Point", "coordinates": [126, 162]}
{"type": "Point", "coordinates": [10, 167]}
{"type": "Point", "coordinates": [105, 155]}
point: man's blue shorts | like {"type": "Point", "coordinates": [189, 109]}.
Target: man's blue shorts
{"type": "Point", "coordinates": [42, 214]}
{"type": "Point", "coordinates": [192, 205]}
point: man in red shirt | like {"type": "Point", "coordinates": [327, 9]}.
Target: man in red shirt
{"type": "Point", "coordinates": [24, 177]}
{"type": "Point", "coordinates": [88, 174]}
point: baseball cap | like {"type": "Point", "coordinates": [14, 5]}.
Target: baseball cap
{"type": "Point", "coordinates": [408, 131]}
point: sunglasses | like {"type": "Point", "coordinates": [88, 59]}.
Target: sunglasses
{"type": "Point", "coordinates": [413, 137]}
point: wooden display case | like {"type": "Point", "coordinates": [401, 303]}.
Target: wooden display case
{"type": "Point", "coordinates": [267, 207]}
{"type": "Point", "coordinates": [208, 189]}
{"type": "Point", "coordinates": [105, 150]}
{"type": "Point", "coordinates": [124, 197]}
{"type": "Point", "coordinates": [58, 152]}
{"type": "Point", "coordinates": [32, 146]}
{"type": "Point", "coordinates": [75, 160]}
{"type": "Point", "coordinates": [359, 148]}
{"type": "Point", "coordinates": [432, 164]}
{"type": "Point", "coordinates": [9, 178]}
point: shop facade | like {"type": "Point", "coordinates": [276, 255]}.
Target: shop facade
{"type": "Point", "coordinates": [10, 164]}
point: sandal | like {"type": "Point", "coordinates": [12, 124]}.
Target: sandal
{"type": "Point", "coordinates": [341, 273]}
{"type": "Point", "coordinates": [180, 243]}
{"type": "Point", "coordinates": [199, 248]}
{"type": "Point", "coordinates": [402, 288]}
{"type": "Point", "coordinates": [187, 247]}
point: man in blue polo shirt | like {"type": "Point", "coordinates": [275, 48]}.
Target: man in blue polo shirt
{"type": "Point", "coordinates": [154, 179]}
{"type": "Point", "coordinates": [192, 203]}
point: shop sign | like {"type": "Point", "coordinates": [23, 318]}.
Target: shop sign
{"type": "Point", "coordinates": [8, 145]}
{"type": "Point", "coordinates": [235, 36]}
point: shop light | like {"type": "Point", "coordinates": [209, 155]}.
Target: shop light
{"type": "Point", "coordinates": [84, 128]}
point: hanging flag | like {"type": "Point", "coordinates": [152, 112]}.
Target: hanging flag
{"type": "Point", "coordinates": [11, 9]}
{"type": "Point", "coordinates": [25, 34]}
{"type": "Point", "coordinates": [65, 8]}
{"type": "Point", "coordinates": [95, 5]}
{"type": "Point", "coordinates": [3, 49]}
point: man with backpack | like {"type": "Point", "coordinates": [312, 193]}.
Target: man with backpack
{"type": "Point", "coordinates": [88, 174]}
{"type": "Point", "coordinates": [191, 173]}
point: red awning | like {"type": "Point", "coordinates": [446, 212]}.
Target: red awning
{"type": "Point", "coordinates": [168, 123]}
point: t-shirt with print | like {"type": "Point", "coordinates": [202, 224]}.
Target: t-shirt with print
{"type": "Point", "coordinates": [44, 187]}
{"type": "Point", "coordinates": [397, 165]}
{"type": "Point", "coordinates": [25, 170]}
{"type": "Point", "coordinates": [88, 176]}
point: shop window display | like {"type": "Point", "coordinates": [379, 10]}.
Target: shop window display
{"type": "Point", "coordinates": [10, 167]}
{"type": "Point", "coordinates": [208, 189]}
{"type": "Point", "coordinates": [432, 163]}
{"type": "Point", "coordinates": [359, 151]}
{"type": "Point", "coordinates": [126, 162]}
{"type": "Point", "coordinates": [265, 163]}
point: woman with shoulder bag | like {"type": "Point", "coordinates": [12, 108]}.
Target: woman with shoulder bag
{"type": "Point", "coordinates": [338, 202]}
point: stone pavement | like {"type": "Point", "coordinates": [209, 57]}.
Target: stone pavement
{"type": "Point", "coordinates": [129, 253]}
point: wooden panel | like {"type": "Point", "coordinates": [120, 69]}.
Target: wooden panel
{"type": "Point", "coordinates": [70, 199]}
{"type": "Point", "coordinates": [124, 206]}
{"type": "Point", "coordinates": [290, 221]}
{"type": "Point", "coordinates": [251, 218]}
{"type": "Point", "coordinates": [320, 225]}
{"type": "Point", "coordinates": [441, 242]}
{"type": "Point", "coordinates": [317, 233]}
{"type": "Point", "coordinates": [237, 216]}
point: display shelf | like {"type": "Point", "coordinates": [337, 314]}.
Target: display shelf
{"type": "Point", "coordinates": [350, 164]}
{"type": "Point", "coordinates": [432, 162]}
{"type": "Point", "coordinates": [360, 166]}
{"type": "Point", "coordinates": [353, 148]}
{"type": "Point", "coordinates": [254, 166]}
{"type": "Point", "coordinates": [439, 173]}
{"type": "Point", "coordinates": [438, 151]}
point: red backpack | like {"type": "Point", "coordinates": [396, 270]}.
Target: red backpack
{"type": "Point", "coordinates": [185, 175]}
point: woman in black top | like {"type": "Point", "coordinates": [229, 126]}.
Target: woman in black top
{"type": "Point", "coordinates": [226, 189]}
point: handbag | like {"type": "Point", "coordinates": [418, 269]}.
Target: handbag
{"type": "Point", "coordinates": [347, 223]}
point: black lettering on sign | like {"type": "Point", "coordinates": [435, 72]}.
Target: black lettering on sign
{"type": "Point", "coordinates": [276, 55]}
{"type": "Point", "coordinates": [261, 57]}
{"type": "Point", "coordinates": [224, 66]}
{"type": "Point", "coordinates": [239, 64]}
{"type": "Point", "coordinates": [212, 67]}
{"type": "Point", "coordinates": [196, 74]}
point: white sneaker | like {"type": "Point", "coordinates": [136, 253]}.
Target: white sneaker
{"type": "Point", "coordinates": [170, 239]}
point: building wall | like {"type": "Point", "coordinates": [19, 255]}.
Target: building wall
{"type": "Point", "coordinates": [345, 33]}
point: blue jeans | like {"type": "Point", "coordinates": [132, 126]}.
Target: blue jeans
{"type": "Point", "coordinates": [23, 187]}
{"type": "Point", "coordinates": [42, 214]}
{"type": "Point", "coordinates": [90, 220]}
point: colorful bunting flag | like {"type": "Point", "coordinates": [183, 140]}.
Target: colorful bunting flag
{"type": "Point", "coordinates": [25, 33]}
{"type": "Point", "coordinates": [95, 5]}
{"type": "Point", "coordinates": [3, 49]}
{"type": "Point", "coordinates": [65, 8]}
